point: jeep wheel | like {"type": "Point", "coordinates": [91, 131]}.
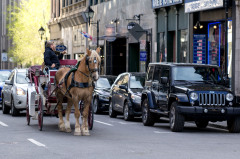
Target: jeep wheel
{"type": "Point", "coordinates": [176, 120]}
{"type": "Point", "coordinates": [147, 117]}
{"type": "Point", "coordinates": [5, 109]}
{"type": "Point", "coordinates": [126, 114]}
{"type": "Point", "coordinates": [201, 123]}
{"type": "Point", "coordinates": [112, 113]}
{"type": "Point", "coordinates": [234, 125]}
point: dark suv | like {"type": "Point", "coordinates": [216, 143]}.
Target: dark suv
{"type": "Point", "coordinates": [188, 92]}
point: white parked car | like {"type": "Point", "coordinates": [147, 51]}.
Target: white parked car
{"type": "Point", "coordinates": [14, 93]}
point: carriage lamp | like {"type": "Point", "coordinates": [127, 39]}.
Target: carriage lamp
{"type": "Point", "coordinates": [20, 91]}
{"type": "Point", "coordinates": [229, 97]}
{"type": "Point", "coordinates": [194, 96]}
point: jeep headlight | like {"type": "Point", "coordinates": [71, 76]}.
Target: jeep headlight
{"type": "Point", "coordinates": [194, 96]}
{"type": "Point", "coordinates": [229, 97]}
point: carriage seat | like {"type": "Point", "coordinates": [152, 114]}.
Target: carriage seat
{"type": "Point", "coordinates": [63, 63]}
{"type": "Point", "coordinates": [68, 62]}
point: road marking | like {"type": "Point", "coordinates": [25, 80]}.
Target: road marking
{"type": "Point", "coordinates": [103, 123]}
{"type": "Point", "coordinates": [36, 143]}
{"type": "Point", "coordinates": [166, 132]}
{"type": "Point", "coordinates": [123, 123]}
{"type": "Point", "coordinates": [3, 124]}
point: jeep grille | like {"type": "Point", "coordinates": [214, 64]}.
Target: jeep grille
{"type": "Point", "coordinates": [216, 99]}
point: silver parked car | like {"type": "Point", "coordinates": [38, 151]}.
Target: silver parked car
{"type": "Point", "coordinates": [14, 92]}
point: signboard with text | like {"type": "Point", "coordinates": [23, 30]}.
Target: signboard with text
{"type": "Point", "coordinates": [61, 48]}
{"type": "Point", "coordinates": [199, 5]}
{"type": "Point", "coordinates": [199, 48]}
{"type": "Point", "coordinates": [4, 57]}
{"type": "Point", "coordinates": [164, 3]}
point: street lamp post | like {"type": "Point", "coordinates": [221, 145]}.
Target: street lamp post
{"type": "Point", "coordinates": [97, 32]}
{"type": "Point", "coordinates": [88, 14]}
{"type": "Point", "coordinates": [41, 32]}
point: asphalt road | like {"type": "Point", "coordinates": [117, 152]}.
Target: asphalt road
{"type": "Point", "coordinates": [113, 139]}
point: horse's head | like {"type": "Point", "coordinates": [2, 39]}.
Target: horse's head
{"type": "Point", "coordinates": [93, 62]}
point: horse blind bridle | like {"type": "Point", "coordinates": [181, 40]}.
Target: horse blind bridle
{"type": "Point", "coordinates": [90, 70]}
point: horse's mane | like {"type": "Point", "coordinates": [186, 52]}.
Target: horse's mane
{"type": "Point", "coordinates": [95, 54]}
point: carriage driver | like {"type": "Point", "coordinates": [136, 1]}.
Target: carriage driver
{"type": "Point", "coordinates": [51, 59]}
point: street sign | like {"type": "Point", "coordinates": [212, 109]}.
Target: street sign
{"type": "Point", "coordinates": [142, 44]}
{"type": "Point", "coordinates": [143, 56]}
{"type": "Point", "coordinates": [130, 25]}
{"type": "Point", "coordinates": [136, 31]}
{"type": "Point", "coordinates": [61, 48]}
{"type": "Point", "coordinates": [4, 57]}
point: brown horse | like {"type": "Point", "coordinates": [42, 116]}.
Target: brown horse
{"type": "Point", "coordinates": [87, 72]}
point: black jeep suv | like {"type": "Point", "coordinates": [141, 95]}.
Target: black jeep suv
{"type": "Point", "coordinates": [188, 92]}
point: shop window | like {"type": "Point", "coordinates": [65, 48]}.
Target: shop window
{"type": "Point", "coordinates": [162, 50]}
{"type": "Point", "coordinates": [183, 54]}
{"type": "Point", "coordinates": [214, 43]}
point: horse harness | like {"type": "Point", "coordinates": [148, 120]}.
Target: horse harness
{"type": "Point", "coordinates": [79, 84]}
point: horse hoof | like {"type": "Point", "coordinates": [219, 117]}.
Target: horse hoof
{"type": "Point", "coordinates": [86, 134]}
{"type": "Point", "coordinates": [68, 130]}
{"type": "Point", "coordinates": [62, 129]}
{"type": "Point", "coordinates": [77, 133]}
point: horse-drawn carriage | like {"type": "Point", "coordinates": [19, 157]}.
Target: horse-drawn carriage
{"type": "Point", "coordinates": [53, 92]}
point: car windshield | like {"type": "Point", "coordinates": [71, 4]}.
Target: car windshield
{"type": "Point", "coordinates": [104, 82]}
{"type": "Point", "coordinates": [196, 73]}
{"type": "Point", "coordinates": [137, 82]}
{"type": "Point", "coordinates": [4, 75]}
{"type": "Point", "coordinates": [21, 78]}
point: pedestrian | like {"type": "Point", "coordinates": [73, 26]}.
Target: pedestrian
{"type": "Point", "coordinates": [51, 59]}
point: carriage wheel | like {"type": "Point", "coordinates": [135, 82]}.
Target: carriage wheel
{"type": "Point", "coordinates": [90, 118]}
{"type": "Point", "coordinates": [27, 112]}
{"type": "Point", "coordinates": [40, 114]}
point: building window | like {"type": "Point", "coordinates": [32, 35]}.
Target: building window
{"type": "Point", "coordinates": [67, 57]}
{"type": "Point", "coordinates": [63, 3]}
{"type": "Point", "coordinates": [182, 56]}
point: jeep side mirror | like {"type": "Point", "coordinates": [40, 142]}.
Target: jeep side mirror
{"type": "Point", "coordinates": [164, 80]}
{"type": "Point", "coordinates": [123, 87]}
